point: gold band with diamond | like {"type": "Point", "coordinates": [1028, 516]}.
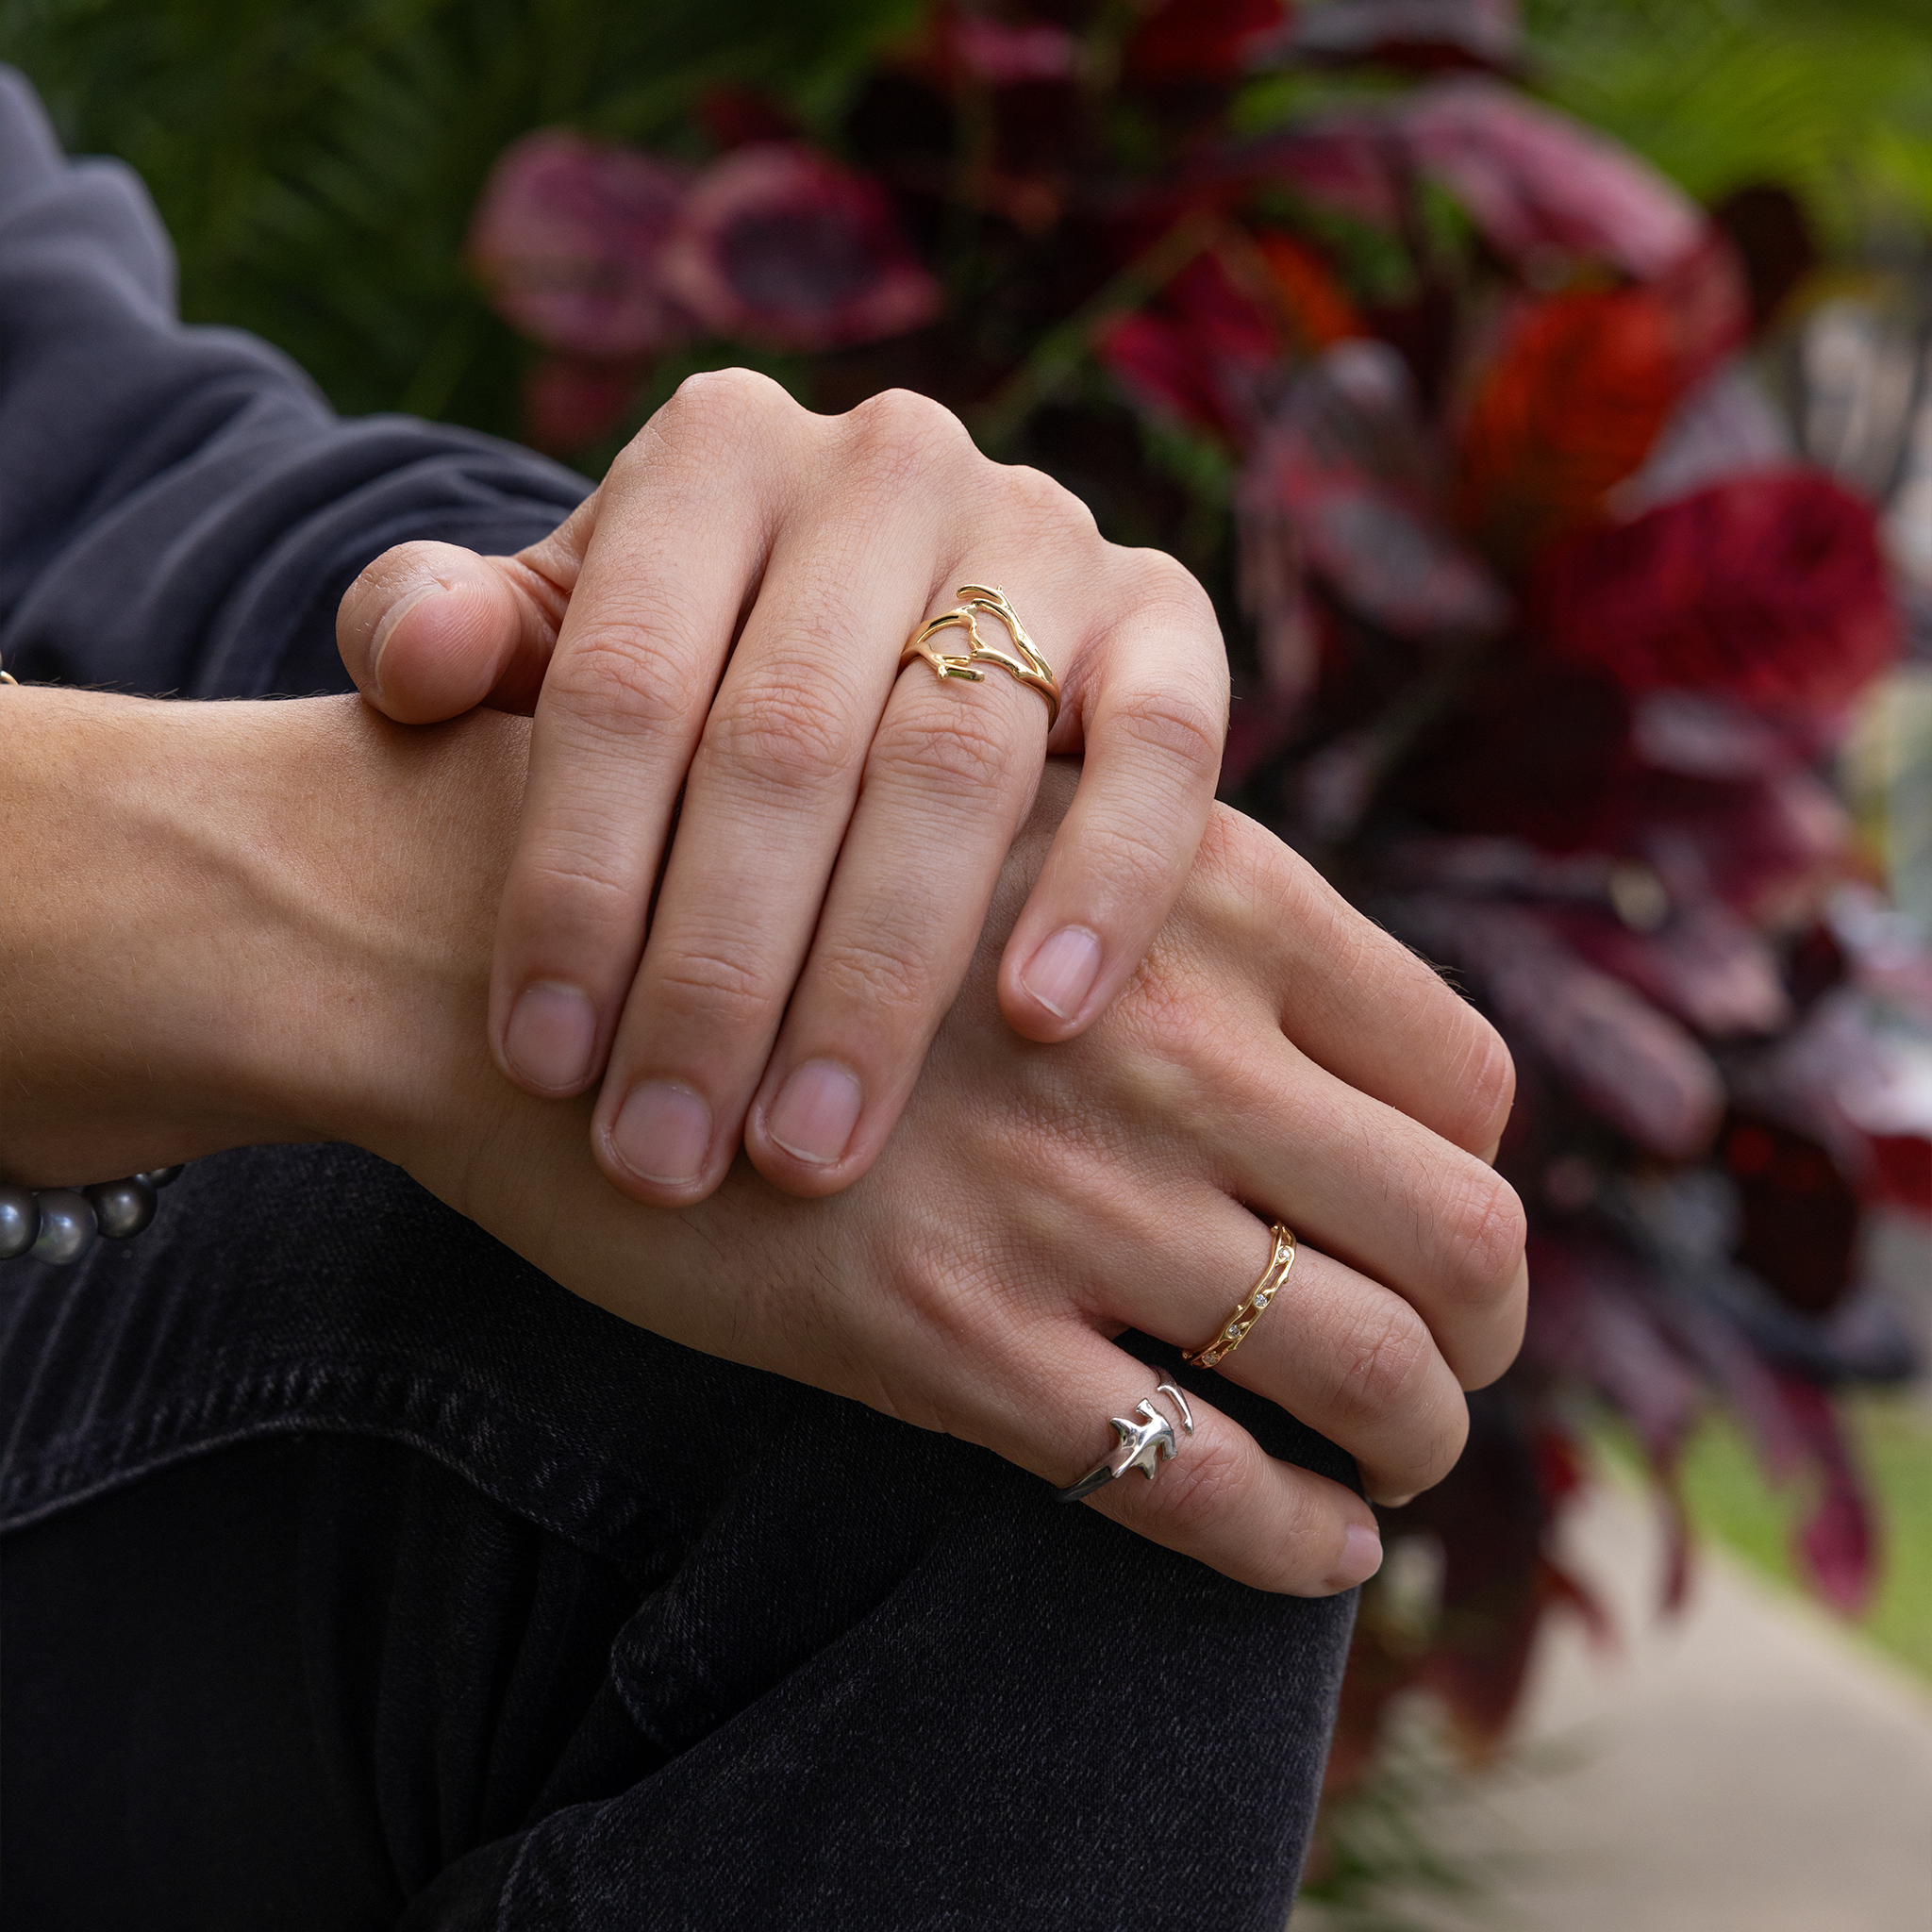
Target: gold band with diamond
{"type": "Point", "coordinates": [1234, 1331]}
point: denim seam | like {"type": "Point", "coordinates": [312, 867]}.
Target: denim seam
{"type": "Point", "coordinates": [515, 1461]}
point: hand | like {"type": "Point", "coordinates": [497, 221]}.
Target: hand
{"type": "Point", "coordinates": [723, 618]}
{"type": "Point", "coordinates": [310, 892]}
{"type": "Point", "coordinates": [1035, 1202]}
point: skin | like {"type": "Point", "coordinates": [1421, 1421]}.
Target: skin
{"type": "Point", "coordinates": [712, 640]}
{"type": "Point", "coordinates": [252, 923]}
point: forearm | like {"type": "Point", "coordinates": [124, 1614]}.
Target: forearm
{"type": "Point", "coordinates": [249, 923]}
{"type": "Point", "coordinates": [235, 926]}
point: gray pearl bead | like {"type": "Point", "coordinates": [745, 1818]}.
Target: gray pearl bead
{"type": "Point", "coordinates": [121, 1208]}
{"type": "Point", "coordinates": [67, 1227]}
{"type": "Point", "coordinates": [161, 1177]}
{"type": "Point", "coordinates": [19, 1222]}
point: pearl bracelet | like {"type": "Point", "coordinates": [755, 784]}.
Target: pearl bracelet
{"type": "Point", "coordinates": [58, 1224]}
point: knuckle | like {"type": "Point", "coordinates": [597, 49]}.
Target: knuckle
{"type": "Point", "coordinates": [626, 675]}
{"type": "Point", "coordinates": [1385, 1361]}
{"type": "Point", "coordinates": [1485, 1230]}
{"type": "Point", "coordinates": [716, 984]}
{"type": "Point", "coordinates": [711, 416]}
{"type": "Point", "coordinates": [1041, 505]}
{"type": "Point", "coordinates": [1490, 1084]}
{"type": "Point", "coordinates": [1161, 582]}
{"type": "Point", "coordinates": [875, 974]}
{"type": "Point", "coordinates": [1200, 1487]}
{"type": "Point", "coordinates": [731, 395]}
{"type": "Point", "coordinates": [899, 432]}
{"type": "Point", "coordinates": [1177, 725]}
{"type": "Point", "coordinates": [785, 734]}
{"type": "Point", "coordinates": [958, 752]}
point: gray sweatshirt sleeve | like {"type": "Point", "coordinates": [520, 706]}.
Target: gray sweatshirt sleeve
{"type": "Point", "coordinates": [180, 510]}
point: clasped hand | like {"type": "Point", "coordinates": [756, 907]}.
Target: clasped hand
{"type": "Point", "coordinates": [723, 621]}
{"type": "Point", "coordinates": [720, 623]}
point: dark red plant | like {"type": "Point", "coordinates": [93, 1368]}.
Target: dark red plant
{"type": "Point", "coordinates": [1767, 589]}
{"type": "Point", "coordinates": [1543, 635]}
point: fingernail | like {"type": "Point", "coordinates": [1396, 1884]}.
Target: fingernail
{"type": "Point", "coordinates": [387, 628]}
{"type": "Point", "coordinates": [661, 1132]}
{"type": "Point", "coordinates": [815, 1112]}
{"type": "Point", "coordinates": [550, 1035]}
{"type": "Point", "coordinates": [1361, 1557]}
{"type": "Point", "coordinates": [1061, 974]}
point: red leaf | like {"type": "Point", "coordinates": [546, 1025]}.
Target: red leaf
{"type": "Point", "coordinates": [1705, 966]}
{"type": "Point", "coordinates": [1559, 1589]}
{"type": "Point", "coordinates": [1201, 39]}
{"type": "Point", "coordinates": [569, 238]}
{"type": "Point", "coordinates": [1573, 399]}
{"type": "Point", "coordinates": [998, 53]}
{"type": "Point", "coordinates": [1769, 589]}
{"type": "Point", "coordinates": [1798, 1225]}
{"type": "Point", "coordinates": [1724, 426]}
{"type": "Point", "coordinates": [1837, 1543]}
{"type": "Point", "coordinates": [1902, 1171]}
{"type": "Point", "coordinates": [1838, 1546]}
{"type": "Point", "coordinates": [1197, 353]}
{"type": "Point", "coordinates": [1592, 1316]}
{"type": "Point", "coordinates": [1622, 1058]}
{"type": "Point", "coordinates": [1770, 849]}
{"type": "Point", "coordinates": [1335, 488]}
{"type": "Point", "coordinates": [1539, 183]}
{"type": "Point", "coordinates": [779, 245]}
{"type": "Point", "coordinates": [1701, 735]}
{"type": "Point", "coordinates": [1320, 312]}
{"type": "Point", "coordinates": [1346, 162]}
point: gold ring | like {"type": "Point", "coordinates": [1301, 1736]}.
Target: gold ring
{"type": "Point", "coordinates": [1028, 666]}
{"type": "Point", "coordinates": [1234, 1331]}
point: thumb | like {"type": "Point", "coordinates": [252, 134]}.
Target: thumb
{"type": "Point", "coordinates": [430, 630]}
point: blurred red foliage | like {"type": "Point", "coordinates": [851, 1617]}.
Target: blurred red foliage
{"type": "Point", "coordinates": [569, 238]}
{"type": "Point", "coordinates": [1544, 637]}
{"type": "Point", "coordinates": [1767, 587]}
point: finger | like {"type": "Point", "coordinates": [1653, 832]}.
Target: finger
{"type": "Point", "coordinates": [1358, 1002]}
{"type": "Point", "coordinates": [1362, 1181]}
{"type": "Point", "coordinates": [1221, 1498]}
{"type": "Point", "coordinates": [430, 630]}
{"type": "Point", "coordinates": [1343, 1354]}
{"type": "Point", "coordinates": [949, 782]}
{"type": "Point", "coordinates": [1153, 704]}
{"type": "Point", "coordinates": [625, 697]}
{"type": "Point", "coordinates": [767, 807]}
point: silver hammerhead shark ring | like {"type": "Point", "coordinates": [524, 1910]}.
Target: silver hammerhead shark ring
{"type": "Point", "coordinates": [1145, 1444]}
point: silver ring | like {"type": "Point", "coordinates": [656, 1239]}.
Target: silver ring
{"type": "Point", "coordinates": [1144, 1445]}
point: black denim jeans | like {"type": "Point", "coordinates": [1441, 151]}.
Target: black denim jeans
{"type": "Point", "coordinates": [361, 1578]}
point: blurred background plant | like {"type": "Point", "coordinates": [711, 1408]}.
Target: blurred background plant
{"type": "Point", "coordinates": [1544, 398]}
